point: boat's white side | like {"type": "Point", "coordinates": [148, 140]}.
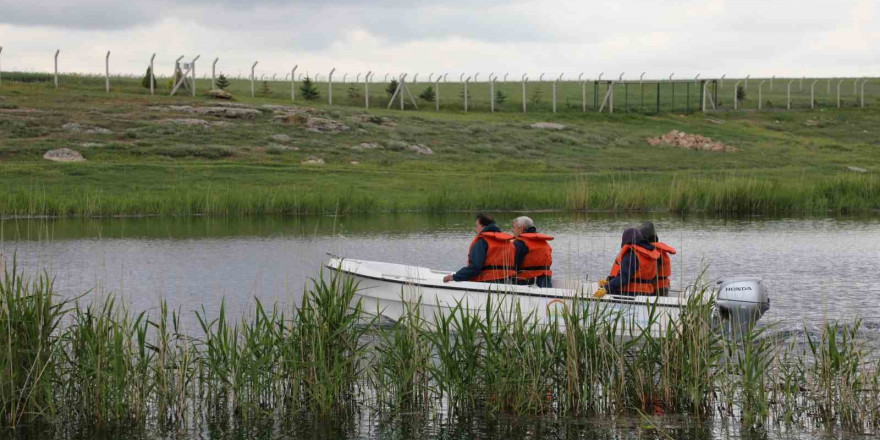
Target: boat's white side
{"type": "Point", "coordinates": [384, 288]}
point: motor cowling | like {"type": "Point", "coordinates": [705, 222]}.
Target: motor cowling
{"type": "Point", "coordinates": [742, 300]}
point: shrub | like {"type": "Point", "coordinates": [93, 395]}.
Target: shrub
{"type": "Point", "coordinates": [222, 82]}
{"type": "Point", "coordinates": [428, 94]}
{"type": "Point", "coordinates": [740, 94]}
{"type": "Point", "coordinates": [391, 88]}
{"type": "Point", "coordinates": [308, 90]}
{"type": "Point", "coordinates": [500, 97]}
{"type": "Point", "coordinates": [353, 92]}
{"type": "Point", "coordinates": [145, 81]}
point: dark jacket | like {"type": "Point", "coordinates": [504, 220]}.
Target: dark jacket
{"type": "Point", "coordinates": [521, 251]}
{"type": "Point", "coordinates": [629, 265]}
{"type": "Point", "coordinates": [476, 257]}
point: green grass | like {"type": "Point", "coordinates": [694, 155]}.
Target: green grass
{"type": "Point", "coordinates": [789, 162]}
{"type": "Point", "coordinates": [109, 368]}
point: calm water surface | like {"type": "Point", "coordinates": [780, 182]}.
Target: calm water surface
{"type": "Point", "coordinates": [817, 268]}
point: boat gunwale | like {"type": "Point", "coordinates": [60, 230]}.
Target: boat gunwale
{"type": "Point", "coordinates": [614, 299]}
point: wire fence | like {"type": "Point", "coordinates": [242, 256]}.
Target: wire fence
{"type": "Point", "coordinates": [494, 94]}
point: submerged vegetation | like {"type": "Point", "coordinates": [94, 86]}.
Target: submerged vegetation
{"type": "Point", "coordinates": [101, 365]}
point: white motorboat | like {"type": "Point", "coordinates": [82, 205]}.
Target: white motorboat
{"type": "Point", "coordinates": [387, 289]}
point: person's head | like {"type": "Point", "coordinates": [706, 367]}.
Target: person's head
{"type": "Point", "coordinates": [520, 224]}
{"type": "Point", "coordinates": [481, 221]}
{"type": "Point", "coordinates": [630, 236]}
{"type": "Point", "coordinates": [648, 232]}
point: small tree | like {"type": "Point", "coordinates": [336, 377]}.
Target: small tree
{"type": "Point", "coordinates": [266, 90]}
{"type": "Point", "coordinates": [354, 92]}
{"type": "Point", "coordinates": [740, 94]}
{"type": "Point", "coordinates": [308, 90]}
{"type": "Point", "coordinates": [146, 81]}
{"type": "Point", "coordinates": [222, 82]}
{"type": "Point", "coordinates": [500, 97]}
{"type": "Point", "coordinates": [392, 87]}
{"type": "Point", "coordinates": [428, 94]}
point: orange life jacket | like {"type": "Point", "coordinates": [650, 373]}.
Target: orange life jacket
{"type": "Point", "coordinates": [643, 280]}
{"type": "Point", "coordinates": [664, 266]}
{"type": "Point", "coordinates": [499, 256]}
{"type": "Point", "coordinates": [539, 259]}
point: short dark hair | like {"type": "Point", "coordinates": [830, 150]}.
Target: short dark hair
{"type": "Point", "coordinates": [485, 219]}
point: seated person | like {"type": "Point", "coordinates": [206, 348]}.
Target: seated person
{"type": "Point", "coordinates": [635, 267]}
{"type": "Point", "coordinates": [664, 265]}
{"type": "Point", "coordinates": [490, 257]}
{"type": "Point", "coordinates": [534, 256]}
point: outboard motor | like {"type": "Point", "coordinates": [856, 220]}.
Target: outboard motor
{"type": "Point", "coordinates": [741, 301]}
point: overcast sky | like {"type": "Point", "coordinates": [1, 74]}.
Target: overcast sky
{"type": "Point", "coordinates": [710, 37]}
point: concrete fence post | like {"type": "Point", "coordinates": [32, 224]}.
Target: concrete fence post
{"type": "Point", "coordinates": [214, 73]}
{"type": "Point", "coordinates": [330, 87]}
{"type": "Point", "coordinates": [56, 67]}
{"type": "Point", "coordinates": [253, 66]}
{"type": "Point", "coordinates": [437, 94]}
{"type": "Point", "coordinates": [152, 75]}
{"type": "Point", "coordinates": [760, 87]}
{"type": "Point", "coordinates": [293, 83]}
{"type": "Point", "coordinates": [107, 71]}
{"type": "Point", "coordinates": [367, 89]}
{"type": "Point", "coordinates": [465, 93]}
{"type": "Point", "coordinates": [735, 95]}
{"type": "Point", "coordinates": [555, 84]}
{"type": "Point", "coordinates": [788, 93]}
{"type": "Point", "coordinates": [862, 94]}
{"type": "Point", "coordinates": [524, 80]}
{"type": "Point", "coordinates": [838, 92]}
{"type": "Point", "coordinates": [583, 93]}
{"type": "Point", "coordinates": [194, 74]}
{"type": "Point", "coordinates": [813, 94]}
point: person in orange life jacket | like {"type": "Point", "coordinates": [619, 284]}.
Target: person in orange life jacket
{"type": "Point", "coordinates": [635, 267]}
{"type": "Point", "coordinates": [533, 256]}
{"type": "Point", "coordinates": [490, 257]}
{"type": "Point", "coordinates": [664, 265]}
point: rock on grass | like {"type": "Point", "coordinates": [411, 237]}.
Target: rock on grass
{"type": "Point", "coordinates": [313, 160]}
{"type": "Point", "coordinates": [680, 139]}
{"type": "Point", "coordinates": [64, 155]}
{"type": "Point", "coordinates": [547, 126]}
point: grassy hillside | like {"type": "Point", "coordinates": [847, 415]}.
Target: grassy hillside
{"type": "Point", "coordinates": [151, 162]}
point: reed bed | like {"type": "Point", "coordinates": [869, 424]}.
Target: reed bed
{"type": "Point", "coordinates": [101, 365]}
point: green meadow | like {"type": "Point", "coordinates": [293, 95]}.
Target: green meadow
{"type": "Point", "coordinates": [146, 163]}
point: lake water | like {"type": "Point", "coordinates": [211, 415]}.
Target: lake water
{"type": "Point", "coordinates": [815, 268]}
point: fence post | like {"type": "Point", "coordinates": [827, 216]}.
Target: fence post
{"type": "Point", "coordinates": [862, 93]}
{"type": "Point", "coordinates": [555, 84]}
{"type": "Point", "coordinates": [107, 71]}
{"type": "Point", "coordinates": [838, 92]}
{"type": "Point", "coordinates": [760, 86]}
{"type": "Point", "coordinates": [253, 66]}
{"type": "Point", "coordinates": [330, 87]}
{"type": "Point", "coordinates": [293, 82]}
{"type": "Point", "coordinates": [788, 94]}
{"type": "Point", "coordinates": [735, 97]}
{"type": "Point", "coordinates": [214, 73]}
{"type": "Point", "coordinates": [194, 73]}
{"type": "Point", "coordinates": [772, 77]}
{"type": "Point", "coordinates": [437, 94]}
{"type": "Point", "coordinates": [56, 67]}
{"type": "Point", "coordinates": [583, 93]}
{"type": "Point", "coordinates": [465, 93]}
{"type": "Point", "coordinates": [367, 78]}
{"type": "Point", "coordinates": [746, 84]}
{"type": "Point", "coordinates": [152, 75]}
{"type": "Point", "coordinates": [524, 79]}
{"type": "Point", "coordinates": [812, 94]}
{"type": "Point", "coordinates": [491, 94]}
